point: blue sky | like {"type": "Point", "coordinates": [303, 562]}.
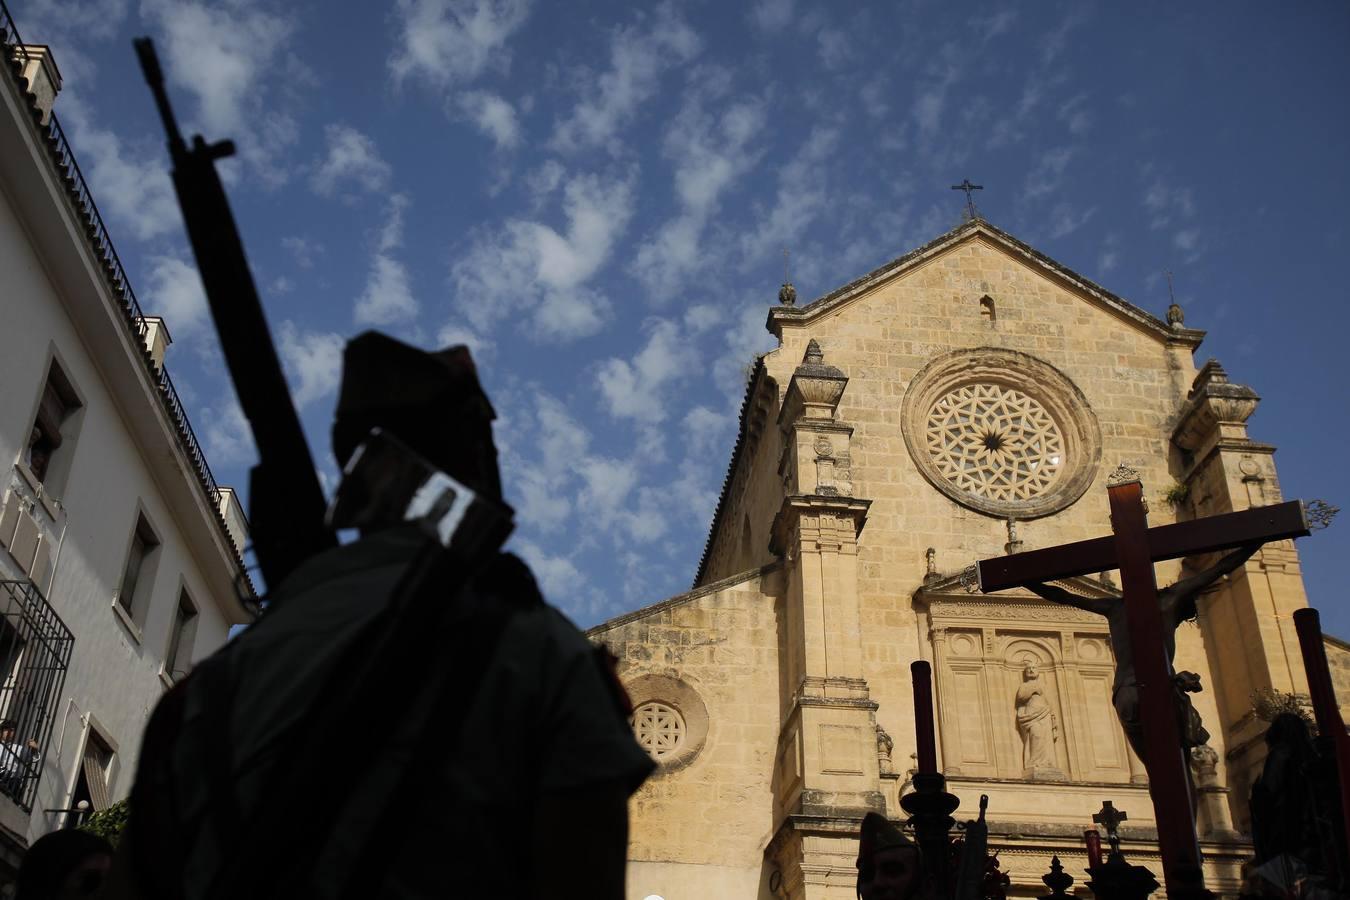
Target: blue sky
{"type": "Point", "coordinates": [596, 197]}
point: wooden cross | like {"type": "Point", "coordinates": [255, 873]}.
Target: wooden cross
{"type": "Point", "coordinates": [966, 186]}
{"type": "Point", "coordinates": [1134, 548]}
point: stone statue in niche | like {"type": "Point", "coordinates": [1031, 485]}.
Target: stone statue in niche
{"type": "Point", "coordinates": [885, 744]}
{"type": "Point", "coordinates": [1037, 726]}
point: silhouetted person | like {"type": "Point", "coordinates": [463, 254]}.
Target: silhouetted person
{"type": "Point", "coordinates": [493, 757]}
{"type": "Point", "coordinates": [1283, 810]}
{"type": "Point", "coordinates": [889, 864]}
{"type": "Point", "coordinates": [64, 865]}
{"type": "Point", "coordinates": [1177, 605]}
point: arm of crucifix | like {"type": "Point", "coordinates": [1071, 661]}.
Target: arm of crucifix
{"type": "Point", "coordinates": [1178, 600]}
{"type": "Point", "coordinates": [1067, 598]}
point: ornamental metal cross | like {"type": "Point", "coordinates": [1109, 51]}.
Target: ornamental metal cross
{"type": "Point", "coordinates": [966, 186]}
{"type": "Point", "coordinates": [1134, 548]}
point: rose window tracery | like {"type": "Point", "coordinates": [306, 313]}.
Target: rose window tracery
{"type": "Point", "coordinates": [995, 442]}
{"type": "Point", "coordinates": [1001, 432]}
{"type": "Point", "coordinates": [659, 728]}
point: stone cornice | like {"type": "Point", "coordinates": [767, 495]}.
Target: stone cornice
{"type": "Point", "coordinates": [798, 504]}
{"type": "Point", "coordinates": [998, 608]}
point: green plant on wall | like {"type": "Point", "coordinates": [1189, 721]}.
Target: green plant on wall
{"type": "Point", "coordinates": [1177, 494]}
{"type": "Point", "coordinates": [108, 823]}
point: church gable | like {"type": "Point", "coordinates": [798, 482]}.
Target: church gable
{"type": "Point", "coordinates": [983, 297]}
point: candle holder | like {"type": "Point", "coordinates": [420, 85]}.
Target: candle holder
{"type": "Point", "coordinates": [930, 809]}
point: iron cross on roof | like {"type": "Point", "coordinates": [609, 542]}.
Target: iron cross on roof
{"type": "Point", "coordinates": [966, 186]}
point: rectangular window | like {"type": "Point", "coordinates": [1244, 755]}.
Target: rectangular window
{"type": "Point", "coordinates": [178, 661]}
{"type": "Point", "coordinates": [91, 787]}
{"type": "Point", "coordinates": [139, 574]}
{"type": "Point", "coordinates": [51, 441]}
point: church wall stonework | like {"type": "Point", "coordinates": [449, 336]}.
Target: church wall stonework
{"type": "Point", "coordinates": [699, 826]}
{"type": "Point", "coordinates": [1338, 658]}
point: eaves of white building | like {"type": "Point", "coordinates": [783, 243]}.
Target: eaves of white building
{"type": "Point", "coordinates": [119, 555]}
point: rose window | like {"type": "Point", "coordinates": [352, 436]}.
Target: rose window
{"type": "Point", "coordinates": [659, 728]}
{"type": "Point", "coordinates": [995, 442]}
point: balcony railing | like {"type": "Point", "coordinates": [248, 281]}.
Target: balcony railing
{"type": "Point", "coordinates": [35, 647]}
{"type": "Point", "coordinates": [68, 170]}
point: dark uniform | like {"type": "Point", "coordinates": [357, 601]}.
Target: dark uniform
{"type": "Point", "coordinates": [432, 784]}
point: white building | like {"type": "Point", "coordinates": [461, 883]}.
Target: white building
{"type": "Point", "coordinates": [119, 555]}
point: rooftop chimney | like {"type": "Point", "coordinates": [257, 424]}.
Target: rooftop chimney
{"type": "Point", "coordinates": [44, 78]}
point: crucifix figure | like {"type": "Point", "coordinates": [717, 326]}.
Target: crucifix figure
{"type": "Point", "coordinates": [966, 186]}
{"type": "Point", "coordinates": [1176, 604]}
{"type": "Point", "coordinates": [1110, 818]}
{"type": "Point", "coordinates": [1134, 548]}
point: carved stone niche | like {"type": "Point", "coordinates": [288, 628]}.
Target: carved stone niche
{"type": "Point", "coordinates": [981, 646]}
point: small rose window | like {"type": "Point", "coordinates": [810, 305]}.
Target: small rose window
{"type": "Point", "coordinates": [659, 728]}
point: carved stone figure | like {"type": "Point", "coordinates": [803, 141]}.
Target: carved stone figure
{"type": "Point", "coordinates": [1035, 723]}
{"type": "Point", "coordinates": [1177, 604]}
{"type": "Point", "coordinates": [885, 743]}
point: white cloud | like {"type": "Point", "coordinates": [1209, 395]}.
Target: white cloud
{"type": "Point", "coordinates": [702, 316]}
{"type": "Point", "coordinates": [1166, 203]}
{"type": "Point", "coordinates": [387, 297]}
{"type": "Point", "coordinates": [89, 19]}
{"type": "Point", "coordinates": [493, 116]}
{"type": "Point", "coordinates": [1074, 115]}
{"type": "Point", "coordinates": [1110, 255]}
{"type": "Point", "coordinates": [930, 92]}
{"type": "Point", "coordinates": [1055, 40]}
{"type": "Point", "coordinates": [559, 578]}
{"type": "Point", "coordinates": [802, 194]}
{"type": "Point", "coordinates": [991, 26]}
{"type": "Point", "coordinates": [352, 162]}
{"type": "Point", "coordinates": [227, 55]}
{"type": "Point", "coordinates": [704, 430]}
{"type": "Point", "coordinates": [227, 438]}
{"type": "Point", "coordinates": [544, 180]}
{"type": "Point", "coordinates": [531, 268]}
{"type": "Point", "coordinates": [711, 153]}
{"type": "Point", "coordinates": [302, 249]}
{"type": "Point", "coordinates": [132, 186]}
{"type": "Point", "coordinates": [1065, 220]}
{"type": "Point", "coordinates": [638, 58]}
{"type": "Point", "coordinates": [174, 292]}
{"type": "Point", "coordinates": [313, 360]}
{"type": "Point", "coordinates": [634, 389]}
{"type": "Point", "coordinates": [1045, 177]}
{"type": "Point", "coordinates": [771, 15]}
{"type": "Point", "coordinates": [453, 334]}
{"type": "Point", "coordinates": [834, 48]}
{"type": "Point", "coordinates": [448, 42]}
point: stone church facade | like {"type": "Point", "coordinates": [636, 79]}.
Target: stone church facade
{"type": "Point", "coordinates": [966, 400]}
